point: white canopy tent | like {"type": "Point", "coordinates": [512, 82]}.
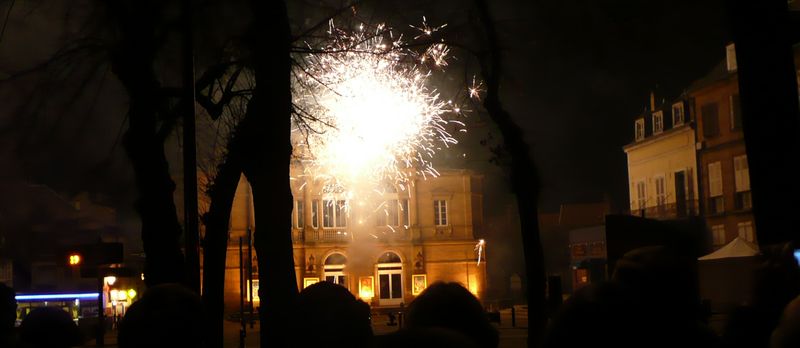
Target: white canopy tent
{"type": "Point", "coordinates": [726, 275]}
{"type": "Point", "coordinates": [738, 247]}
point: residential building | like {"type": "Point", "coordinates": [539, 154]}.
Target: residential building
{"type": "Point", "coordinates": [722, 156]}
{"type": "Point", "coordinates": [384, 251]}
{"type": "Point", "coordinates": [705, 149]}
{"type": "Point", "coordinates": [662, 173]}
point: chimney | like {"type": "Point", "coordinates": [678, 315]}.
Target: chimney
{"type": "Point", "coordinates": [652, 101]}
{"type": "Point", "coordinates": [730, 57]}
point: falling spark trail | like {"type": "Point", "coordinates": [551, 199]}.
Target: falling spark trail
{"type": "Point", "coordinates": [479, 250]}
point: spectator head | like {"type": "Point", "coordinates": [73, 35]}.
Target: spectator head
{"type": "Point", "coordinates": [451, 306]}
{"type": "Point", "coordinates": [49, 327]}
{"type": "Point", "coordinates": [337, 318]}
{"type": "Point", "coordinates": [604, 315]}
{"type": "Point", "coordinates": [787, 334]}
{"type": "Point", "coordinates": [8, 308]}
{"type": "Point", "coordinates": [167, 315]}
{"type": "Point", "coordinates": [424, 338]}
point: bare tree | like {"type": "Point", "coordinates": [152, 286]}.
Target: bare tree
{"type": "Point", "coordinates": [133, 57]}
{"type": "Point", "coordinates": [524, 177]}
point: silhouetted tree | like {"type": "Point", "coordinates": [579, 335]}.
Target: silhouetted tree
{"type": "Point", "coordinates": [267, 126]}
{"type": "Point", "coordinates": [524, 178]}
{"type": "Point", "coordinates": [133, 55]}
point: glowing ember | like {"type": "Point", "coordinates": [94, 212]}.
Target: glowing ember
{"type": "Point", "coordinates": [368, 114]}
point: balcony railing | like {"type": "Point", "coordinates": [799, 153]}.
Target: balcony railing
{"type": "Point", "coordinates": [339, 235]}
{"type": "Point", "coordinates": [669, 211]}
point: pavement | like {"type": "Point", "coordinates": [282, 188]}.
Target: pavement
{"type": "Point", "coordinates": [510, 336]}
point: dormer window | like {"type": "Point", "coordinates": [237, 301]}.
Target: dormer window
{"type": "Point", "coordinates": [658, 122]}
{"type": "Point", "coordinates": [640, 129]}
{"type": "Point", "coordinates": [677, 114]}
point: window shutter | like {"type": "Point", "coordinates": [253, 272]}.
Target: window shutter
{"type": "Point", "coordinates": [742, 173]}
{"type": "Point", "coordinates": [715, 179]}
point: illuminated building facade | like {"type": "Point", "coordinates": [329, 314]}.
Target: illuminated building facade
{"type": "Point", "coordinates": [384, 252]}
{"type": "Point", "coordinates": [662, 162]}
{"type": "Point", "coordinates": [708, 146]}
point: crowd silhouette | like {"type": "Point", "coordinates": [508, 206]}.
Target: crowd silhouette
{"type": "Point", "coordinates": [651, 300]}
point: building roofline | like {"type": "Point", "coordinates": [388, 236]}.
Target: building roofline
{"type": "Point", "coordinates": [667, 133]}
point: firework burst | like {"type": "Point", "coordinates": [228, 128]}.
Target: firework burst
{"type": "Point", "coordinates": [367, 113]}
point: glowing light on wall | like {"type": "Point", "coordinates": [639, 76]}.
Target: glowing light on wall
{"type": "Point", "coordinates": [67, 296]}
{"type": "Point", "coordinates": [366, 288]}
{"type": "Point", "coordinates": [309, 281]}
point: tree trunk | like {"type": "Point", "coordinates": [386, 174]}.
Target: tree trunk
{"type": "Point", "coordinates": [132, 62]}
{"type": "Point", "coordinates": [524, 179]}
{"type": "Point", "coordinates": [762, 31]}
{"type": "Point", "coordinates": [268, 147]}
{"type": "Point", "coordinates": [215, 245]}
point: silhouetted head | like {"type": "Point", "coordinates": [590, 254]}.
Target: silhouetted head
{"type": "Point", "coordinates": [601, 315]}
{"type": "Point", "coordinates": [167, 315]}
{"type": "Point", "coordinates": [662, 278]}
{"type": "Point", "coordinates": [424, 338]}
{"type": "Point", "coordinates": [787, 334]}
{"type": "Point", "coordinates": [777, 279]}
{"type": "Point", "coordinates": [451, 306]}
{"type": "Point", "coordinates": [8, 309]}
{"type": "Point", "coordinates": [334, 315]}
{"type": "Point", "coordinates": [49, 327]}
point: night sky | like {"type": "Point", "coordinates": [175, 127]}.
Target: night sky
{"type": "Point", "coordinates": [577, 74]}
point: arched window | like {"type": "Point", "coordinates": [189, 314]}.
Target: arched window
{"type": "Point", "coordinates": [334, 269]}
{"type": "Point", "coordinates": [389, 257]}
{"type": "Point", "coordinates": [336, 259]}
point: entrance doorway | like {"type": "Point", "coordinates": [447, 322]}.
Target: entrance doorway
{"type": "Point", "coordinates": [390, 279]}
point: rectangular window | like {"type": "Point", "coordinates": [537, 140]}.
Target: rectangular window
{"type": "Point", "coordinates": [640, 129]}
{"type": "Point", "coordinates": [300, 215]}
{"type": "Point", "coordinates": [661, 191]}
{"type": "Point", "coordinates": [741, 170]}
{"type": "Point", "coordinates": [393, 217]}
{"type": "Point", "coordinates": [440, 212]}
{"type": "Point", "coordinates": [404, 212]}
{"type": "Point", "coordinates": [742, 173]}
{"type": "Point", "coordinates": [315, 213]}
{"type": "Point", "coordinates": [716, 205]}
{"type": "Point", "coordinates": [677, 114]}
{"type": "Point", "coordinates": [641, 195]}
{"type": "Point", "coordinates": [718, 234]}
{"type": "Point", "coordinates": [736, 112]}
{"type": "Point", "coordinates": [658, 122]}
{"type": "Point", "coordinates": [715, 179]}
{"type": "Point", "coordinates": [744, 200]}
{"type": "Point", "coordinates": [746, 231]}
{"type": "Point", "coordinates": [334, 213]}
{"type": "Point", "coordinates": [388, 213]}
{"type": "Point", "coordinates": [327, 213]}
{"type": "Point", "coordinates": [710, 116]}
{"type": "Point", "coordinates": [341, 213]}
{"type": "Point", "coordinates": [716, 202]}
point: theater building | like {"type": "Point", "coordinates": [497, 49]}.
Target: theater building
{"type": "Point", "coordinates": [386, 250]}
